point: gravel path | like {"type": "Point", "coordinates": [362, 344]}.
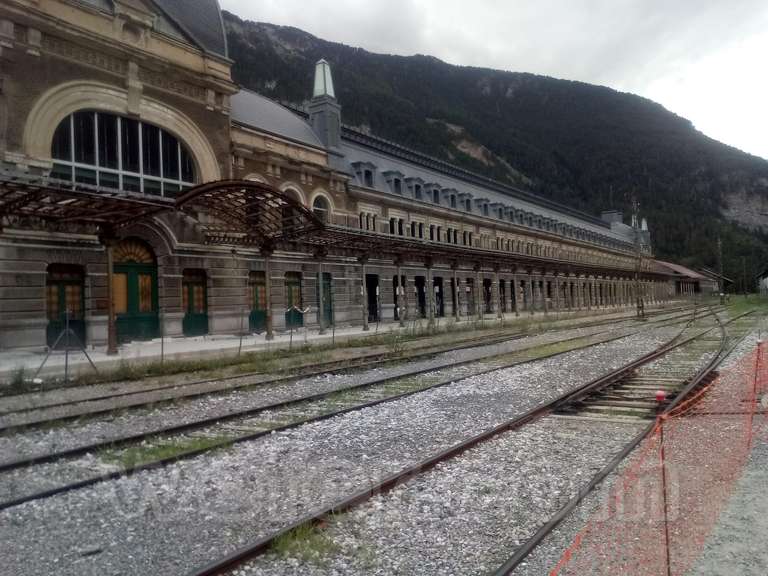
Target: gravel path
{"type": "Point", "coordinates": [737, 546]}
{"type": "Point", "coordinates": [115, 425]}
{"type": "Point", "coordinates": [168, 521]}
{"type": "Point", "coordinates": [467, 515]}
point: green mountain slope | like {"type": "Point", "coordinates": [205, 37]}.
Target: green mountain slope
{"type": "Point", "coordinates": [587, 146]}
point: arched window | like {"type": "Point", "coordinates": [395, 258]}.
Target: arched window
{"type": "Point", "coordinates": [320, 208]}
{"type": "Point", "coordinates": [122, 153]}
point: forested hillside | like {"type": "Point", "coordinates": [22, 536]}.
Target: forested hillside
{"type": "Point", "coordinates": [587, 146]}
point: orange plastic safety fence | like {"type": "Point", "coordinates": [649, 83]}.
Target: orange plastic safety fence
{"type": "Point", "coordinates": [670, 493]}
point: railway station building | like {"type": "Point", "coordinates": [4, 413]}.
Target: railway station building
{"type": "Point", "coordinates": [143, 192]}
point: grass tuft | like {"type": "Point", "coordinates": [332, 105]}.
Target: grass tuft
{"type": "Point", "coordinates": [308, 543]}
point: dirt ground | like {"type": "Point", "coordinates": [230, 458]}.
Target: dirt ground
{"type": "Point", "coordinates": [739, 544]}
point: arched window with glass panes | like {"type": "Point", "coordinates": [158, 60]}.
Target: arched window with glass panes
{"type": "Point", "coordinates": [111, 151]}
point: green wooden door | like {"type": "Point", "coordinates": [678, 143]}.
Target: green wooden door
{"type": "Point", "coordinates": [194, 303]}
{"type": "Point", "coordinates": [65, 295]}
{"type": "Point", "coordinates": [257, 320]}
{"type": "Point", "coordinates": [136, 301]}
{"type": "Point", "coordinates": [327, 303]}
{"type": "Point", "coordinates": [294, 318]}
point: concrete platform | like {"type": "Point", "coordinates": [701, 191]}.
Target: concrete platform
{"type": "Point", "coordinates": [217, 346]}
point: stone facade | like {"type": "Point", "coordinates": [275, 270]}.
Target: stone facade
{"type": "Point", "coordinates": [60, 57]}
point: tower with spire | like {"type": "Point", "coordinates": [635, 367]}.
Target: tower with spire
{"type": "Point", "coordinates": [324, 110]}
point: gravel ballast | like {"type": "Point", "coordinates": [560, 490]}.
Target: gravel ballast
{"type": "Point", "coordinates": [109, 426]}
{"type": "Point", "coordinates": [468, 515]}
{"type": "Point", "coordinates": [169, 521]}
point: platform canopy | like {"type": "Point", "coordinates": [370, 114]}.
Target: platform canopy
{"type": "Point", "coordinates": [242, 212]}
{"type": "Point", "coordinates": [335, 238]}
{"type": "Point", "coordinates": [61, 202]}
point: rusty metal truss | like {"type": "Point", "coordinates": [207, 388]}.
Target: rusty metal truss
{"type": "Point", "coordinates": [60, 202]}
{"type": "Point", "coordinates": [335, 238]}
{"type": "Point", "coordinates": [252, 214]}
{"type": "Point", "coordinates": [241, 212]}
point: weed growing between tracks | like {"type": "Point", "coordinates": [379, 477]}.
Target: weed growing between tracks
{"type": "Point", "coordinates": [269, 360]}
{"type": "Point", "coordinates": [308, 543]}
{"type": "Point", "coordinates": [134, 456]}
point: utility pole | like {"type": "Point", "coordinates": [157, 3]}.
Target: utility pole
{"type": "Point", "coordinates": [720, 283]}
{"type": "Point", "coordinates": [744, 275]}
{"type": "Point", "coordinates": [638, 260]}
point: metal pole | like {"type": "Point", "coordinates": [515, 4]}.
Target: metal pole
{"type": "Point", "coordinates": [111, 322]}
{"type": "Point", "coordinates": [268, 294]}
{"type": "Point", "coordinates": [242, 333]}
{"type": "Point", "coordinates": [321, 298]}
{"type": "Point", "coordinates": [66, 345]}
{"type": "Point", "coordinates": [162, 336]}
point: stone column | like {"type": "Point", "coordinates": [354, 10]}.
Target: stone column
{"type": "Point", "coordinates": [364, 292]}
{"type": "Point", "coordinates": [557, 293]}
{"type": "Point", "coordinates": [544, 290]}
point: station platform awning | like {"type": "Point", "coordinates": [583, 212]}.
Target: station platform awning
{"type": "Point", "coordinates": [25, 196]}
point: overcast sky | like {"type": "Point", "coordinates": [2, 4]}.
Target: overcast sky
{"type": "Point", "coordinates": [706, 60]}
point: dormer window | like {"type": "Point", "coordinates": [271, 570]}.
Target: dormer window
{"type": "Point", "coordinates": [397, 186]}
{"type": "Point", "coordinates": [453, 200]}
{"type": "Point", "coordinates": [417, 191]}
{"type": "Point", "coordinates": [366, 173]}
{"type": "Point", "coordinates": [468, 205]}
{"type": "Point", "coordinates": [436, 196]}
{"type": "Point", "coordinates": [485, 209]}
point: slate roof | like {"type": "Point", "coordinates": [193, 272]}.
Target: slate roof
{"type": "Point", "coordinates": [257, 111]}
{"type": "Point", "coordinates": [200, 20]}
{"type": "Point", "coordinates": [680, 270]}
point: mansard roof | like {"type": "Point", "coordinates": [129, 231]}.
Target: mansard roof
{"type": "Point", "coordinates": [254, 110]}
{"type": "Point", "coordinates": [200, 20]}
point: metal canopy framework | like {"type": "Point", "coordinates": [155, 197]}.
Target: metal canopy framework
{"type": "Point", "coordinates": [62, 202]}
{"type": "Point", "coordinates": [351, 240]}
{"type": "Point", "coordinates": [247, 213]}
{"type": "Point", "coordinates": [242, 212]}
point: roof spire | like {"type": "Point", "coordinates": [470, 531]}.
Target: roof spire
{"type": "Point", "coordinates": [323, 80]}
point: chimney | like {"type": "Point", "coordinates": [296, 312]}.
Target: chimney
{"type": "Point", "coordinates": [324, 111]}
{"type": "Point", "coordinates": [611, 216]}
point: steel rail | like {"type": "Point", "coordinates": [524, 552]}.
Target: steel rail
{"type": "Point", "coordinates": [223, 564]}
{"type": "Point", "coordinates": [270, 381]}
{"type": "Point", "coordinates": [525, 550]}
{"type": "Point", "coordinates": [184, 455]}
{"type": "Point", "coordinates": [326, 367]}
{"type": "Point", "coordinates": [237, 414]}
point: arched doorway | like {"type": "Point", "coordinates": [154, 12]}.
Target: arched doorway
{"type": "Point", "coordinates": [65, 303]}
{"type": "Point", "coordinates": [135, 291]}
{"type": "Point", "coordinates": [194, 292]}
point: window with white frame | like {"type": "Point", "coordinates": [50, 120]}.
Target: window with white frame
{"type": "Point", "coordinates": [111, 151]}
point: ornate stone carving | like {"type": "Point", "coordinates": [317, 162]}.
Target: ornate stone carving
{"type": "Point", "coordinates": [164, 82]}
{"type": "Point", "coordinates": [84, 55]}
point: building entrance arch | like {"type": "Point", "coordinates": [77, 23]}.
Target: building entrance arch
{"type": "Point", "coordinates": [135, 291]}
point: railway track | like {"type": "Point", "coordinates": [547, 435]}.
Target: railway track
{"type": "Point", "coordinates": [246, 425]}
{"type": "Point", "coordinates": [225, 564]}
{"type": "Point", "coordinates": [43, 411]}
{"type": "Point", "coordinates": [83, 411]}
{"type": "Point", "coordinates": [633, 406]}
